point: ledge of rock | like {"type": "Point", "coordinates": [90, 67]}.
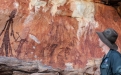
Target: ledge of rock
{"type": "Point", "coordinates": [14, 66]}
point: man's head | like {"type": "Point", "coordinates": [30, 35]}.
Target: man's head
{"type": "Point", "coordinates": [108, 37]}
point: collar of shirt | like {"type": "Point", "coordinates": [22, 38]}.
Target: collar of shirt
{"type": "Point", "coordinates": [106, 56]}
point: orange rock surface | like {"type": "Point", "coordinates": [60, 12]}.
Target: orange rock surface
{"type": "Point", "coordinates": [57, 34]}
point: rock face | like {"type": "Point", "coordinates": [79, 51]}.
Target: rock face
{"type": "Point", "coordinates": [56, 32]}
{"type": "Point", "coordinates": [14, 66]}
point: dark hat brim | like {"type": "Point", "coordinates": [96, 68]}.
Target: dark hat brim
{"type": "Point", "coordinates": [106, 41]}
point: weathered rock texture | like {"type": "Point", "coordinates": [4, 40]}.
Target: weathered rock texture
{"type": "Point", "coordinates": [13, 66]}
{"type": "Point", "coordinates": [56, 32]}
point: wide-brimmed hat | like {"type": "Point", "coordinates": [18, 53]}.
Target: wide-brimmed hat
{"type": "Point", "coordinates": [109, 36]}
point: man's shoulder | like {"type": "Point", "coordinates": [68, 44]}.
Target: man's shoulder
{"type": "Point", "coordinates": [115, 53]}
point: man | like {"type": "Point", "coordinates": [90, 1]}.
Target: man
{"type": "Point", "coordinates": [111, 62]}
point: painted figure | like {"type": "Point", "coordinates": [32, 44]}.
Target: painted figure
{"type": "Point", "coordinates": [6, 39]}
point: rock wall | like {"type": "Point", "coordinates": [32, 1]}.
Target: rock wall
{"type": "Point", "coordinates": [56, 32]}
{"type": "Point", "coordinates": [13, 66]}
